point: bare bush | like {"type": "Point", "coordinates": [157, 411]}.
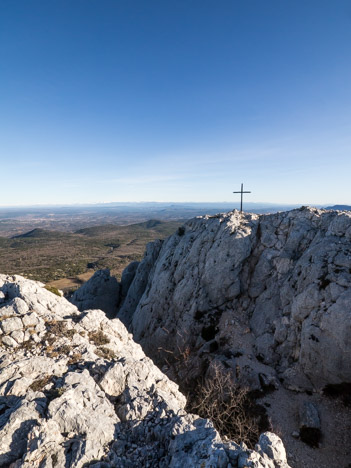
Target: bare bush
{"type": "Point", "coordinates": [181, 361]}
{"type": "Point", "coordinates": [229, 406]}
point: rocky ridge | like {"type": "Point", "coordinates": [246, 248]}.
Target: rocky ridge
{"type": "Point", "coordinates": [265, 296]}
{"type": "Point", "coordinates": [76, 390]}
{"type": "Point", "coordinates": [282, 279]}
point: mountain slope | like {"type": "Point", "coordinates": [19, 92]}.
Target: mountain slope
{"type": "Point", "coordinates": [42, 234]}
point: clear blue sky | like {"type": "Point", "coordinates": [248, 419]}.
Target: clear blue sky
{"type": "Point", "coordinates": [175, 100]}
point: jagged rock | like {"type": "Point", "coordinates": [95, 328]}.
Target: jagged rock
{"type": "Point", "coordinates": [101, 291]}
{"type": "Point", "coordinates": [16, 422]}
{"type": "Point", "coordinates": [310, 425]}
{"type": "Point", "coordinates": [11, 324]}
{"type": "Point", "coordinates": [127, 277]}
{"type": "Point", "coordinates": [9, 341]}
{"type": "Point", "coordinates": [83, 409]}
{"type": "Point", "coordinates": [272, 446]}
{"type": "Point", "coordinates": [286, 277]}
{"type": "Point", "coordinates": [80, 392]}
{"type": "Point", "coordinates": [140, 281]}
{"type": "Point", "coordinates": [309, 416]}
{"type": "Point", "coordinates": [269, 452]}
{"type": "Point", "coordinates": [16, 306]}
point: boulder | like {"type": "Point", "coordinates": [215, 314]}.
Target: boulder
{"type": "Point", "coordinates": [101, 291]}
{"type": "Point", "coordinates": [310, 424]}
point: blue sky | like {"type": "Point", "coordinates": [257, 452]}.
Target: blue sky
{"type": "Point", "coordinates": [175, 100]}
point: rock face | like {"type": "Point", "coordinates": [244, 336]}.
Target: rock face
{"type": "Point", "coordinates": [268, 293]}
{"type": "Point", "coordinates": [137, 286]}
{"type": "Point", "coordinates": [100, 292]}
{"type": "Point", "coordinates": [75, 390]}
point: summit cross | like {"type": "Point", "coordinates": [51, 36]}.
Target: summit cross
{"type": "Point", "coordinates": [241, 202]}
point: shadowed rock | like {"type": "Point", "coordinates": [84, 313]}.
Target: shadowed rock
{"type": "Point", "coordinates": [101, 291]}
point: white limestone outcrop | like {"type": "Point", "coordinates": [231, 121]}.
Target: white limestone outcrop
{"type": "Point", "coordinates": [270, 294]}
{"type": "Point", "coordinates": [75, 390]}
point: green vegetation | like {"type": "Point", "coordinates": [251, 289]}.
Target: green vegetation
{"type": "Point", "coordinates": [53, 290]}
{"type": "Point", "coordinates": [49, 256]}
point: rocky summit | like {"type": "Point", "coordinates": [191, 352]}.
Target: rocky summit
{"type": "Point", "coordinates": [267, 297]}
{"type": "Point", "coordinates": [283, 279]}
{"type": "Point", "coordinates": [76, 390]}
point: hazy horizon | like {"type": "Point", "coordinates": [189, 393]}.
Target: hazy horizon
{"type": "Point", "coordinates": [166, 203]}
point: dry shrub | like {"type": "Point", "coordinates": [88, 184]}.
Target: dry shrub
{"type": "Point", "coordinates": [58, 329]}
{"type": "Point", "coordinates": [231, 408]}
{"type": "Point", "coordinates": [74, 359]}
{"type": "Point", "coordinates": [181, 361]}
{"type": "Point", "coordinates": [39, 384]}
{"type": "Point", "coordinates": [51, 352]}
{"type": "Point", "coordinates": [54, 393]}
{"type": "Point", "coordinates": [64, 349]}
{"type": "Point", "coordinates": [98, 338]}
{"type": "Point", "coordinates": [105, 353]}
{"type": "Point", "coordinates": [27, 345]}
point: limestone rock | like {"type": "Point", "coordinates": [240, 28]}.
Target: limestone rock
{"type": "Point", "coordinates": [127, 278]}
{"type": "Point", "coordinates": [310, 425]}
{"type": "Point", "coordinates": [2, 297]}
{"type": "Point", "coordinates": [11, 324]}
{"type": "Point", "coordinates": [101, 291]}
{"type": "Point", "coordinates": [80, 392]}
{"type": "Point", "coordinates": [285, 277]}
{"type": "Point", "coordinates": [309, 416]}
{"type": "Point", "coordinates": [140, 281]}
{"type": "Point", "coordinates": [272, 446]}
{"type": "Point", "coordinates": [267, 296]}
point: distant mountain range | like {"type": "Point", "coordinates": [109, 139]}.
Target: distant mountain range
{"type": "Point", "coordinates": [339, 207]}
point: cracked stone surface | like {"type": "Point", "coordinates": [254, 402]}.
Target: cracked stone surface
{"type": "Point", "coordinates": [268, 296]}
{"type": "Point", "coordinates": [283, 279]}
{"type": "Point", "coordinates": [78, 391]}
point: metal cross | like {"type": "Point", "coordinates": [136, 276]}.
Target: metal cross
{"type": "Point", "coordinates": [241, 202]}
